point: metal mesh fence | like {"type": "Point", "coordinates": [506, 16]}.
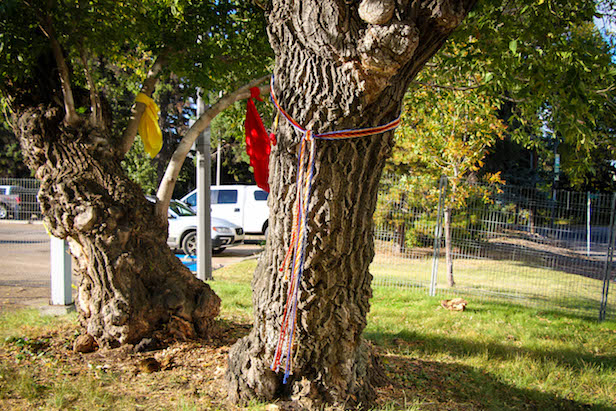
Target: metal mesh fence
{"type": "Point", "coordinates": [551, 249]}
{"type": "Point", "coordinates": [18, 199]}
{"type": "Point", "coordinates": [24, 244]}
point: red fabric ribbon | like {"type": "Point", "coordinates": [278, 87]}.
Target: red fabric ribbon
{"type": "Point", "coordinates": [257, 141]}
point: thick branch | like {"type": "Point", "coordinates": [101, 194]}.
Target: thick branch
{"type": "Point", "coordinates": [139, 108]}
{"type": "Point", "coordinates": [71, 117]}
{"type": "Point", "coordinates": [167, 184]}
{"type": "Point", "coordinates": [96, 115]}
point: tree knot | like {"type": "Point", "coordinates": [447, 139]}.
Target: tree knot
{"type": "Point", "coordinates": [377, 11]}
{"type": "Point", "coordinates": [85, 220]}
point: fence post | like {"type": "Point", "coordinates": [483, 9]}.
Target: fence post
{"type": "Point", "coordinates": [438, 230]}
{"type": "Point", "coordinates": [588, 201]}
{"type": "Point", "coordinates": [609, 258]}
{"type": "Point", "coordinates": [61, 270]}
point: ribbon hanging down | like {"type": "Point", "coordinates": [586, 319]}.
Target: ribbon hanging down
{"type": "Point", "coordinates": [257, 141]}
{"type": "Point", "coordinates": [149, 129]}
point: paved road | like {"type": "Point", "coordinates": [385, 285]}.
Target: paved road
{"type": "Point", "coordinates": [25, 263]}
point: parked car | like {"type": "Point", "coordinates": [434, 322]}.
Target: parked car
{"type": "Point", "coordinates": [18, 202]}
{"type": "Point", "coordinates": [183, 230]}
{"type": "Point", "coordinates": [245, 206]}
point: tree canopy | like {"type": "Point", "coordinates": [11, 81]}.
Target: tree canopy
{"type": "Point", "coordinates": [112, 50]}
{"type": "Point", "coordinates": [72, 71]}
{"type": "Point", "coordinates": [549, 72]}
{"type": "Point", "coordinates": [213, 45]}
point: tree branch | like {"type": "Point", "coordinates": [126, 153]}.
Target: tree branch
{"type": "Point", "coordinates": [71, 117]}
{"type": "Point", "coordinates": [513, 100]}
{"type": "Point", "coordinates": [605, 91]}
{"type": "Point", "coordinates": [447, 87]}
{"type": "Point", "coordinates": [139, 108]}
{"type": "Point", "coordinates": [96, 116]}
{"type": "Point", "coordinates": [167, 184]}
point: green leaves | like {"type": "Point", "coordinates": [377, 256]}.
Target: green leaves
{"type": "Point", "coordinates": [212, 45]}
{"type": "Point", "coordinates": [448, 130]}
{"type": "Point", "coordinates": [110, 45]}
{"type": "Point", "coordinates": [538, 57]}
{"type": "Point", "coordinates": [140, 168]}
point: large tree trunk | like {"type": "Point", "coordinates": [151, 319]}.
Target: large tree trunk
{"type": "Point", "coordinates": [333, 72]}
{"type": "Point", "coordinates": [131, 285]}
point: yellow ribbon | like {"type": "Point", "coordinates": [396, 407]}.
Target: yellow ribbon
{"type": "Point", "coordinates": [149, 130]}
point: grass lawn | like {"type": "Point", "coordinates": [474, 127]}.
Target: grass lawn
{"type": "Point", "coordinates": [492, 356]}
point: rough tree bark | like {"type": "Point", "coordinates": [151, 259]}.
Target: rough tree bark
{"type": "Point", "coordinates": [131, 285]}
{"type": "Point", "coordinates": [339, 65]}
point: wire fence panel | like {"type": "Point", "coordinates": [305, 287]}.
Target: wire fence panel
{"type": "Point", "coordinates": [404, 238]}
{"type": "Point", "coordinates": [552, 250]}
{"type": "Point", "coordinates": [18, 199]}
{"type": "Point", "coordinates": [545, 249]}
{"type": "Point", "coordinates": [25, 268]}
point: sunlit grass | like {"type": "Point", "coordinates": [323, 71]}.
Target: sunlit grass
{"type": "Point", "coordinates": [232, 284]}
{"type": "Point", "coordinates": [500, 355]}
{"type": "Point", "coordinates": [17, 323]}
{"type": "Point", "coordinates": [567, 357]}
{"type": "Point", "coordinates": [503, 279]}
{"type": "Point", "coordinates": [494, 355]}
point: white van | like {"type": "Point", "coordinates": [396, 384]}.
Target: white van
{"type": "Point", "coordinates": [245, 206]}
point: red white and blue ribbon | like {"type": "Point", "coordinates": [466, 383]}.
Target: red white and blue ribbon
{"type": "Point", "coordinates": [294, 258]}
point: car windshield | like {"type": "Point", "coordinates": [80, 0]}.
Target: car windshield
{"type": "Point", "coordinates": [181, 209]}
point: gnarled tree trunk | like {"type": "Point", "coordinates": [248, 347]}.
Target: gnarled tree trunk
{"type": "Point", "coordinates": [338, 66]}
{"type": "Point", "coordinates": [132, 286]}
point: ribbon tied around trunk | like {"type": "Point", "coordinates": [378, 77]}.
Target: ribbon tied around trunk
{"type": "Point", "coordinates": [294, 257]}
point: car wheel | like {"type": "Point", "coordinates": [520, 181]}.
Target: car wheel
{"type": "Point", "coordinates": [4, 212]}
{"type": "Point", "coordinates": [189, 243]}
{"type": "Point", "coordinates": [218, 250]}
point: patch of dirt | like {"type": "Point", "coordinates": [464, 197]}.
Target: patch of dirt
{"type": "Point", "coordinates": [190, 371]}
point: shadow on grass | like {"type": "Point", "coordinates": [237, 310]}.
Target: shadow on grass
{"type": "Point", "coordinates": [432, 344]}
{"type": "Point", "coordinates": [430, 385]}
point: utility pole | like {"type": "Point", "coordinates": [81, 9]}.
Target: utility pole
{"type": "Point", "coordinates": [218, 153]}
{"type": "Point", "coordinates": [204, 229]}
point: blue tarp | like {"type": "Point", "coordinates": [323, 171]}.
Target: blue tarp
{"type": "Point", "coordinates": [189, 261]}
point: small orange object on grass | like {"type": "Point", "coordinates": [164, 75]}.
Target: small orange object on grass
{"type": "Point", "coordinates": [457, 304]}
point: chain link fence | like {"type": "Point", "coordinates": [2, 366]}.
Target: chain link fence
{"type": "Point", "coordinates": [24, 245]}
{"type": "Point", "coordinates": [549, 249]}
{"type": "Point", "coordinates": [18, 199]}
